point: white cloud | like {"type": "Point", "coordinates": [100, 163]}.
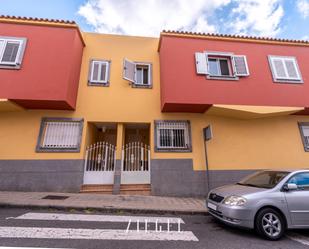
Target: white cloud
{"type": "Point", "coordinates": [303, 7]}
{"type": "Point", "coordinates": [257, 17]}
{"type": "Point", "coordinates": [149, 17]}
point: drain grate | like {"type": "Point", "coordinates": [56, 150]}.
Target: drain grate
{"type": "Point", "coordinates": [55, 197]}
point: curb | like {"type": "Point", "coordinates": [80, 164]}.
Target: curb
{"type": "Point", "coordinates": [106, 209]}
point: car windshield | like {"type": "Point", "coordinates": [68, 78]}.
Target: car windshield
{"type": "Point", "coordinates": [264, 179]}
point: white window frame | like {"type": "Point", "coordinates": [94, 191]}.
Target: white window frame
{"type": "Point", "coordinates": [218, 59]}
{"type": "Point", "coordinates": [304, 137]}
{"type": "Point", "coordinates": [183, 125]}
{"type": "Point", "coordinates": [100, 62]}
{"type": "Point", "coordinates": [276, 78]}
{"type": "Point", "coordinates": [19, 55]}
{"type": "Point", "coordinates": [72, 144]}
{"type": "Point", "coordinates": [149, 74]}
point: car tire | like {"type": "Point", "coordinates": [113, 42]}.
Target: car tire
{"type": "Point", "coordinates": [270, 224]}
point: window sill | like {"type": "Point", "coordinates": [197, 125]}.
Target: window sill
{"type": "Point", "coordinates": [13, 67]}
{"type": "Point", "coordinates": [294, 82]}
{"type": "Point", "coordinates": [188, 150]}
{"type": "Point", "coordinates": [98, 84]}
{"type": "Point", "coordinates": [57, 150]}
{"type": "Point", "coordinates": [141, 86]}
{"type": "Point", "coordinates": [232, 78]}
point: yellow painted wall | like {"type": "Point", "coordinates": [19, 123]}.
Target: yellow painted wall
{"type": "Point", "coordinates": [237, 144]}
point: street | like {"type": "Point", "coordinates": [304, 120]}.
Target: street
{"type": "Point", "coordinates": [47, 228]}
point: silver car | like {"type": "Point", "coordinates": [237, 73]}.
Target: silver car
{"type": "Point", "coordinates": [268, 201]}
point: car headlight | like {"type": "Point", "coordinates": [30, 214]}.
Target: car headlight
{"type": "Point", "coordinates": [234, 200]}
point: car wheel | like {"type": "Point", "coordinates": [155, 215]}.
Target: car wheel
{"type": "Point", "coordinates": [270, 224]}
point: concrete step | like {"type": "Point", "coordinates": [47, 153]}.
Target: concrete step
{"type": "Point", "coordinates": [135, 189]}
{"type": "Point", "coordinates": [97, 188]}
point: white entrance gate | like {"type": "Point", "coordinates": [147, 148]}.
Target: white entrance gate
{"type": "Point", "coordinates": [135, 164]}
{"type": "Point", "coordinates": [100, 163]}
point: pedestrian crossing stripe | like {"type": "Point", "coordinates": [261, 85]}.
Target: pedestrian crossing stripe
{"type": "Point", "coordinates": [99, 218]}
{"type": "Point", "coordinates": [94, 234]}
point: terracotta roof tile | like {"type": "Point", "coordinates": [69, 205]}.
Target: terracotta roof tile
{"type": "Point", "coordinates": [234, 36]}
{"type": "Point", "coordinates": [35, 19]}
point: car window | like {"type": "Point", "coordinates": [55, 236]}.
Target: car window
{"type": "Point", "coordinates": [301, 180]}
{"type": "Point", "coordinates": [264, 179]}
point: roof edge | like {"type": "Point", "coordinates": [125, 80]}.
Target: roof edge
{"type": "Point", "coordinates": [226, 37]}
{"type": "Point", "coordinates": [42, 22]}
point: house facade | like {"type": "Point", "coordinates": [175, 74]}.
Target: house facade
{"type": "Point", "coordinates": [174, 115]}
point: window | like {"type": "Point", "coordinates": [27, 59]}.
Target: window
{"type": "Point", "coordinates": [99, 72]}
{"type": "Point", "coordinates": [304, 132]}
{"type": "Point", "coordinates": [137, 73]}
{"type": "Point", "coordinates": [301, 180]}
{"type": "Point", "coordinates": [221, 65]}
{"type": "Point", "coordinates": [60, 134]}
{"type": "Point", "coordinates": [172, 136]}
{"type": "Point", "coordinates": [285, 69]}
{"type": "Point", "coordinates": [11, 52]}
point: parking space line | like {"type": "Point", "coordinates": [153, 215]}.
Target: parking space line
{"type": "Point", "coordinates": [299, 238]}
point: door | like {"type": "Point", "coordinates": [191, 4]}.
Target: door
{"type": "Point", "coordinates": [135, 168]}
{"type": "Point", "coordinates": [100, 163]}
{"type": "Point", "coordinates": [298, 200]}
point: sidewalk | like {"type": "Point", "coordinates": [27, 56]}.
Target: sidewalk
{"type": "Point", "coordinates": [110, 203]}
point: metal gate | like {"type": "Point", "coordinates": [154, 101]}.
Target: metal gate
{"type": "Point", "coordinates": [100, 163]}
{"type": "Point", "coordinates": [135, 164]}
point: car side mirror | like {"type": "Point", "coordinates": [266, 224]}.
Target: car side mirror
{"type": "Point", "coordinates": [290, 186]}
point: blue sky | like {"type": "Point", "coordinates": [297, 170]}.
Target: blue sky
{"type": "Point", "coordinates": [276, 18]}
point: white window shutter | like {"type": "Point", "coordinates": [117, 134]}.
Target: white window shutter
{"type": "Point", "coordinates": [292, 69]}
{"type": "Point", "coordinates": [201, 63]}
{"type": "Point", "coordinates": [240, 65]}
{"type": "Point", "coordinates": [278, 67]}
{"type": "Point", "coordinates": [129, 70]}
{"type": "Point", "coordinates": [11, 52]}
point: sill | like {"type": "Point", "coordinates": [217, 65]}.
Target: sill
{"type": "Point", "coordinates": [13, 67]}
{"type": "Point", "coordinates": [98, 84]}
{"type": "Point", "coordinates": [294, 82]}
{"type": "Point", "coordinates": [210, 77]}
{"type": "Point", "coordinates": [188, 150]}
{"type": "Point", "coordinates": [141, 86]}
{"type": "Point", "coordinates": [57, 150]}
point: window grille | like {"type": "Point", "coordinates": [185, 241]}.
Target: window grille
{"type": "Point", "coordinates": [61, 135]}
{"type": "Point", "coordinates": [173, 135]}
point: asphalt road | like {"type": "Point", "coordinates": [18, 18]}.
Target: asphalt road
{"type": "Point", "coordinates": [87, 230]}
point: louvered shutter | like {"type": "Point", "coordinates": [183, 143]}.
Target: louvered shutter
{"type": "Point", "coordinates": [129, 70]}
{"type": "Point", "coordinates": [291, 69]}
{"type": "Point", "coordinates": [278, 67]}
{"type": "Point", "coordinates": [2, 42]}
{"type": "Point", "coordinates": [201, 63]}
{"type": "Point", "coordinates": [240, 65]}
{"type": "Point", "coordinates": [10, 53]}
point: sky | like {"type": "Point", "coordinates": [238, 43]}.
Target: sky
{"type": "Point", "coordinates": [268, 18]}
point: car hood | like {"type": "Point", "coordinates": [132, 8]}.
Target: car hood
{"type": "Point", "coordinates": [235, 189]}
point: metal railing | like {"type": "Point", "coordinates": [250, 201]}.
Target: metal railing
{"type": "Point", "coordinates": [100, 156]}
{"type": "Point", "coordinates": [135, 157]}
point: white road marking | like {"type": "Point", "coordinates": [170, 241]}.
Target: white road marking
{"type": "Point", "coordinates": [95, 234]}
{"type": "Point", "coordinates": [299, 238]}
{"type": "Point", "coordinates": [99, 218]}
{"type": "Point", "coordinates": [30, 248]}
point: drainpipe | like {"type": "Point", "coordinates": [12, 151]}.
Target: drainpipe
{"type": "Point", "coordinates": [207, 134]}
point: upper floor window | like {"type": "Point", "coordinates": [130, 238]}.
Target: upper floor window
{"type": "Point", "coordinates": [138, 73]}
{"type": "Point", "coordinates": [60, 135]}
{"type": "Point", "coordinates": [99, 72]}
{"type": "Point", "coordinates": [304, 132]}
{"type": "Point", "coordinates": [221, 65]}
{"type": "Point", "coordinates": [285, 69]}
{"type": "Point", "coordinates": [11, 52]}
{"type": "Point", "coordinates": [172, 135]}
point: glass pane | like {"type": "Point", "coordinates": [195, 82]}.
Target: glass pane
{"type": "Point", "coordinates": [103, 72]}
{"type": "Point", "coordinates": [213, 67]}
{"type": "Point", "coordinates": [165, 138]}
{"type": "Point", "coordinates": [224, 66]}
{"type": "Point", "coordinates": [178, 138]}
{"type": "Point", "coordinates": [145, 76]}
{"type": "Point", "coordinates": [95, 72]}
{"type": "Point", "coordinates": [139, 75]}
{"type": "Point", "coordinates": [301, 180]}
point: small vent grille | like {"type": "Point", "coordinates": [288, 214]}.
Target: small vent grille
{"type": "Point", "coordinates": [55, 197]}
{"type": "Point", "coordinates": [215, 197]}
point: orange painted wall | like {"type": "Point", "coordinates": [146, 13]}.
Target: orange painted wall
{"type": "Point", "coordinates": [50, 69]}
{"type": "Point", "coordinates": [181, 86]}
